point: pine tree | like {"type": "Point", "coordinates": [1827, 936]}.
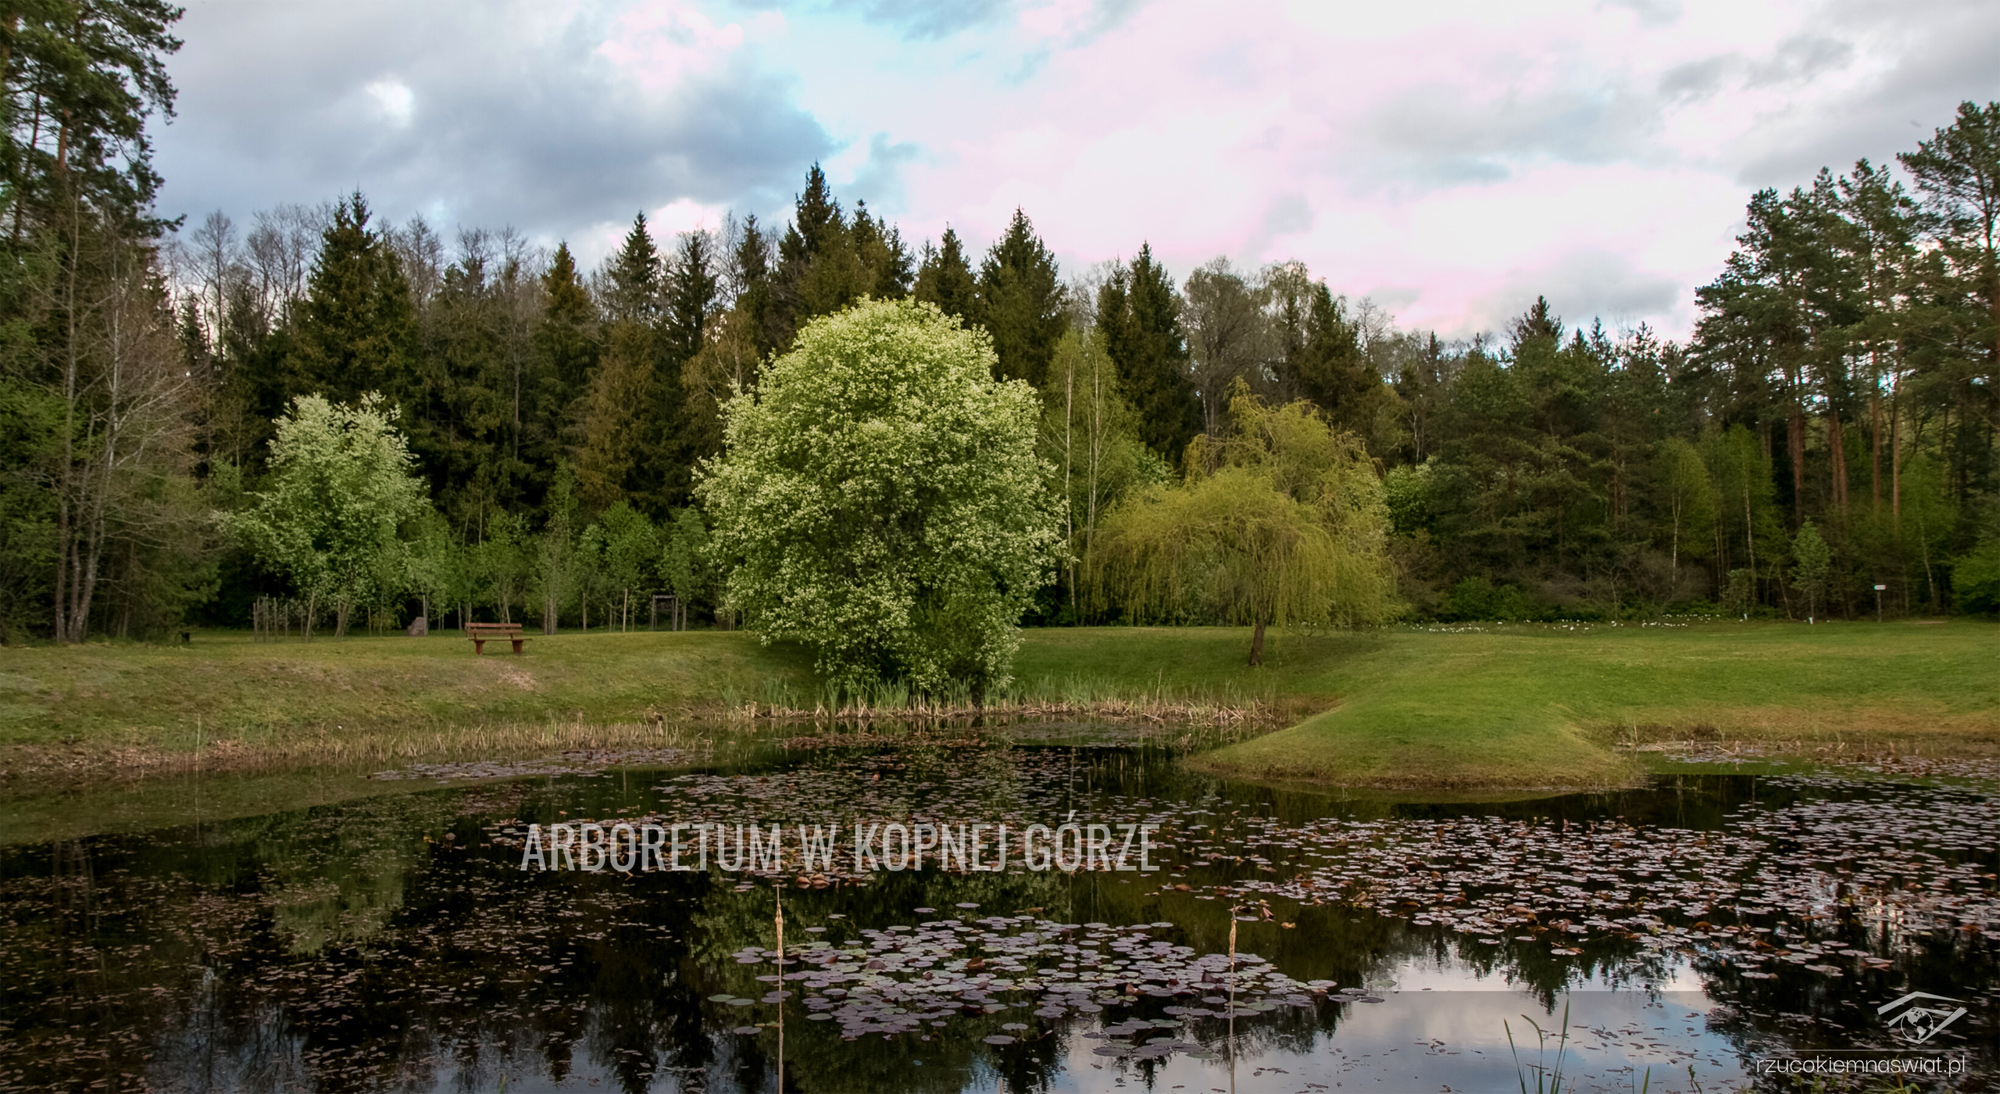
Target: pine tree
{"type": "Point", "coordinates": [1021, 303]}
{"type": "Point", "coordinates": [945, 278]}
{"type": "Point", "coordinates": [1958, 173]}
{"type": "Point", "coordinates": [1139, 312]}
{"type": "Point", "coordinates": [78, 82]}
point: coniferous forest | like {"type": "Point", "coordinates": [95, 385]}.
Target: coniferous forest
{"type": "Point", "coordinates": [1827, 428]}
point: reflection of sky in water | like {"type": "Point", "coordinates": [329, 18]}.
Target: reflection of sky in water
{"type": "Point", "coordinates": [1442, 1026]}
{"type": "Point", "coordinates": [233, 951]}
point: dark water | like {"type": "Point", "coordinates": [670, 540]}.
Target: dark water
{"type": "Point", "coordinates": [1677, 937]}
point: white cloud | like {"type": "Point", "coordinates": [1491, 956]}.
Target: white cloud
{"type": "Point", "coordinates": [1457, 158]}
{"type": "Point", "coordinates": [394, 100]}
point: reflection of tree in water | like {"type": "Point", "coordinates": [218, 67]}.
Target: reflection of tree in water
{"type": "Point", "coordinates": [1789, 1005]}
{"type": "Point", "coordinates": [387, 942]}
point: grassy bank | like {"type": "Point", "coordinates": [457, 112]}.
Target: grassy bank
{"type": "Point", "coordinates": [1501, 706]}
{"type": "Point", "coordinates": [1533, 706]}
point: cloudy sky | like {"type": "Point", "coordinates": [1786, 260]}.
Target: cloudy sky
{"type": "Point", "coordinates": [1449, 160]}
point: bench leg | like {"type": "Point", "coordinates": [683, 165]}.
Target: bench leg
{"type": "Point", "coordinates": [517, 644]}
{"type": "Point", "coordinates": [478, 646]}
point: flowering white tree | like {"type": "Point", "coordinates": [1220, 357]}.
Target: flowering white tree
{"type": "Point", "coordinates": [341, 483]}
{"type": "Point", "coordinates": [879, 499]}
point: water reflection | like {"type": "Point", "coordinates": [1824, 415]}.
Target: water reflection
{"type": "Point", "coordinates": [392, 942]}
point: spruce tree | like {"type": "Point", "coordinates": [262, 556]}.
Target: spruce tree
{"type": "Point", "coordinates": [754, 315]}
{"type": "Point", "coordinates": [819, 270]}
{"type": "Point", "coordinates": [566, 336]}
{"type": "Point", "coordinates": [692, 289]}
{"type": "Point", "coordinates": [633, 292]}
{"type": "Point", "coordinates": [356, 329]}
{"type": "Point", "coordinates": [879, 247]}
{"type": "Point", "coordinates": [1139, 312]}
{"type": "Point", "coordinates": [1021, 303]}
{"type": "Point", "coordinates": [565, 345]}
{"type": "Point", "coordinates": [945, 278]}
{"type": "Point", "coordinates": [1323, 362]}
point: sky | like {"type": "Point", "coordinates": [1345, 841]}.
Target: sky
{"type": "Point", "coordinates": [1450, 161]}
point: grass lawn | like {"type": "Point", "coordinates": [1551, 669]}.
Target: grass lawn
{"type": "Point", "coordinates": [1505, 706]}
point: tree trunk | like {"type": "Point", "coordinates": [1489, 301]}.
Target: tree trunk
{"type": "Point", "coordinates": [1257, 642]}
{"type": "Point", "coordinates": [1838, 455]}
{"type": "Point", "coordinates": [1875, 441]}
{"type": "Point", "coordinates": [1795, 449]}
{"type": "Point", "coordinates": [1896, 458]}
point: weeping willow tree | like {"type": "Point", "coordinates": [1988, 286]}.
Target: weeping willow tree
{"type": "Point", "coordinates": [1279, 522]}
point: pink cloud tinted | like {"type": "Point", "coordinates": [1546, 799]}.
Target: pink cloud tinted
{"type": "Point", "coordinates": [1453, 160]}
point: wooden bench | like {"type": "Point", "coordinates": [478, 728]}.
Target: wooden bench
{"type": "Point", "coordinates": [481, 632]}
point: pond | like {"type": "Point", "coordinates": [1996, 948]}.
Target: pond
{"type": "Point", "coordinates": [1704, 932]}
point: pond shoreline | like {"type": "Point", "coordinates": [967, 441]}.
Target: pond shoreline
{"type": "Point", "coordinates": [1482, 709]}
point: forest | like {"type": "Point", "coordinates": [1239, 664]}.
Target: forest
{"type": "Point", "coordinates": [1821, 445]}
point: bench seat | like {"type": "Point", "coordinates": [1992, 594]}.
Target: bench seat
{"type": "Point", "coordinates": [481, 633]}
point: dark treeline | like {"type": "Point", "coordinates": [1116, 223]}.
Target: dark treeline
{"type": "Point", "coordinates": [1829, 426]}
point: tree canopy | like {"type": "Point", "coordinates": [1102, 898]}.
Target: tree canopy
{"type": "Point", "coordinates": [342, 481]}
{"type": "Point", "coordinates": [879, 499]}
{"type": "Point", "coordinates": [1280, 521]}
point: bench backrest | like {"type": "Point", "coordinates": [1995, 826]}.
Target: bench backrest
{"type": "Point", "coordinates": [494, 628]}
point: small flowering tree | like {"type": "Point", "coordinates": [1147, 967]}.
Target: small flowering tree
{"type": "Point", "coordinates": [342, 480]}
{"type": "Point", "coordinates": [879, 500]}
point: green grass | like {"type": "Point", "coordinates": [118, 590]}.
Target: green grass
{"type": "Point", "coordinates": [1537, 706]}
{"type": "Point", "coordinates": [1507, 706]}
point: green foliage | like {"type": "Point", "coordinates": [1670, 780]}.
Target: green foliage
{"type": "Point", "coordinates": [1689, 503]}
{"type": "Point", "coordinates": [341, 483]}
{"type": "Point", "coordinates": [499, 566]}
{"type": "Point", "coordinates": [100, 68]}
{"type": "Point", "coordinates": [1140, 315]}
{"type": "Point", "coordinates": [1021, 303]}
{"type": "Point", "coordinates": [1740, 594]}
{"type": "Point", "coordinates": [945, 279]}
{"type": "Point", "coordinates": [1320, 358]}
{"type": "Point", "coordinates": [437, 568]}
{"type": "Point", "coordinates": [880, 500]}
{"type": "Point", "coordinates": [30, 424]}
{"type": "Point", "coordinates": [555, 555]}
{"type": "Point", "coordinates": [1090, 443]}
{"type": "Point", "coordinates": [1282, 522]}
{"type": "Point", "coordinates": [1975, 577]}
{"type": "Point", "coordinates": [827, 261]}
{"type": "Point", "coordinates": [686, 569]}
{"type": "Point", "coordinates": [1812, 560]}
{"type": "Point", "coordinates": [611, 415]}
{"type": "Point", "coordinates": [356, 328]}
{"type": "Point", "coordinates": [634, 275]}
{"type": "Point", "coordinates": [1478, 598]}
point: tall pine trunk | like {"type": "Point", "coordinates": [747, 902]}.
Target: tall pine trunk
{"type": "Point", "coordinates": [1838, 456]}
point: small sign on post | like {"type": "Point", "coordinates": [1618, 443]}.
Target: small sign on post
{"type": "Point", "coordinates": [1878, 602]}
